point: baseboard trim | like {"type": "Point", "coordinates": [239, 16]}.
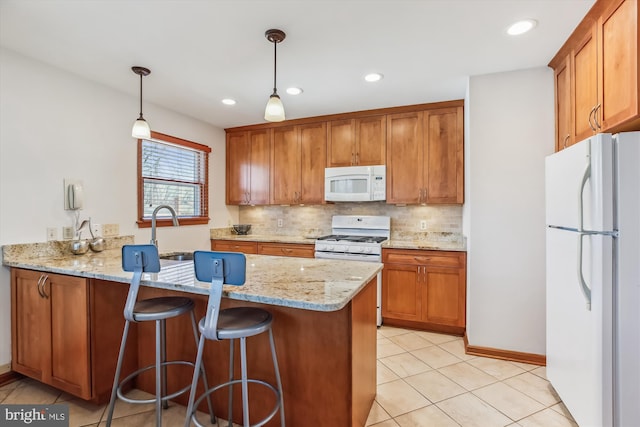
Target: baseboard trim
{"type": "Point", "coordinates": [496, 353]}
{"type": "Point", "coordinates": [9, 377]}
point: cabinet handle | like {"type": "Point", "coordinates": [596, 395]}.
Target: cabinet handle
{"type": "Point", "coordinates": [357, 158]}
{"type": "Point", "coordinates": [422, 259]}
{"type": "Point", "coordinates": [595, 116]}
{"type": "Point", "coordinates": [564, 144]}
{"type": "Point", "coordinates": [286, 250]}
{"type": "Point", "coordinates": [593, 128]}
{"type": "Point", "coordinates": [44, 282]}
{"type": "Point", "coordinates": [39, 285]}
{"type": "Point", "coordinates": [353, 159]}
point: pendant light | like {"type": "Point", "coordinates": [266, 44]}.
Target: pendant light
{"type": "Point", "coordinates": [274, 112]}
{"type": "Point", "coordinates": [141, 127]}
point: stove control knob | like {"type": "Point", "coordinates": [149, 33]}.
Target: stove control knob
{"type": "Point", "coordinates": [330, 248]}
{"type": "Point", "coordinates": [368, 250]}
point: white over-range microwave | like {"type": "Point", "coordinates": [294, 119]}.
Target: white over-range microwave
{"type": "Point", "coordinates": [355, 183]}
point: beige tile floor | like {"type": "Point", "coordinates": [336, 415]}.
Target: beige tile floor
{"type": "Point", "coordinates": [424, 379]}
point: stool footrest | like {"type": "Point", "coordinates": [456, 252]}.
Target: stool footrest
{"type": "Point", "coordinates": [239, 381]}
{"type": "Point", "coordinates": [146, 368]}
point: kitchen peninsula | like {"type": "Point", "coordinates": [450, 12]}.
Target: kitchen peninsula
{"type": "Point", "coordinates": [324, 326]}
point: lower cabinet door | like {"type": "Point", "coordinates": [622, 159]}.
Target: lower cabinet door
{"type": "Point", "coordinates": [443, 296]}
{"type": "Point", "coordinates": [70, 339]}
{"type": "Point", "coordinates": [401, 292]}
{"type": "Point", "coordinates": [30, 320]}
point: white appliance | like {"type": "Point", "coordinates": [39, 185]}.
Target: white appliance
{"type": "Point", "coordinates": [593, 279]}
{"type": "Point", "coordinates": [357, 238]}
{"type": "Point", "coordinates": [355, 183]}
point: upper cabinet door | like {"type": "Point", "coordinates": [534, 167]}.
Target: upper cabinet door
{"type": "Point", "coordinates": [259, 166]}
{"type": "Point", "coordinates": [405, 164]}
{"type": "Point", "coordinates": [313, 158]}
{"type": "Point", "coordinates": [341, 143]}
{"type": "Point", "coordinates": [444, 156]}
{"type": "Point", "coordinates": [371, 145]}
{"type": "Point", "coordinates": [285, 165]}
{"type": "Point", "coordinates": [238, 164]}
{"type": "Point", "coordinates": [585, 81]}
{"type": "Point", "coordinates": [619, 66]}
{"type": "Point", "coordinates": [562, 76]}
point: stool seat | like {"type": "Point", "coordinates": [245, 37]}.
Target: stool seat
{"type": "Point", "coordinates": [240, 322]}
{"type": "Point", "coordinates": [161, 308]}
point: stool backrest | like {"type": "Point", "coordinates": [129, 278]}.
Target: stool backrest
{"type": "Point", "coordinates": [139, 259]}
{"type": "Point", "coordinates": [219, 268]}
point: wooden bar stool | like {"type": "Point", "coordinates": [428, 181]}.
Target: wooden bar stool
{"type": "Point", "coordinates": [229, 324]}
{"type": "Point", "coordinates": [145, 259]}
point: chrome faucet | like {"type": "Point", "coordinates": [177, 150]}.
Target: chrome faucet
{"type": "Point", "coordinates": [153, 221]}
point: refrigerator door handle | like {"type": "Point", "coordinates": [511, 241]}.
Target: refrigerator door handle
{"type": "Point", "coordinates": [586, 290]}
{"type": "Point", "coordinates": [585, 177]}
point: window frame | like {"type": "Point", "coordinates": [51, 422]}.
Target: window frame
{"type": "Point", "coordinates": [184, 220]}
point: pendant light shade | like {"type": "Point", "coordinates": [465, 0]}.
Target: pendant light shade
{"type": "Point", "coordinates": [141, 128]}
{"type": "Point", "coordinates": [274, 112]}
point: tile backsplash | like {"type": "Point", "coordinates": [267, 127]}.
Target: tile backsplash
{"type": "Point", "coordinates": [444, 221]}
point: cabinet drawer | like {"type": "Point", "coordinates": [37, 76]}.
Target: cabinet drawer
{"type": "Point", "coordinates": [234, 246]}
{"type": "Point", "coordinates": [415, 257]}
{"type": "Point", "coordinates": [287, 249]}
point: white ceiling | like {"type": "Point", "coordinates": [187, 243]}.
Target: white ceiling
{"type": "Point", "coordinates": [200, 51]}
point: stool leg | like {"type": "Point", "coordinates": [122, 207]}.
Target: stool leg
{"type": "Point", "coordinates": [231, 360]}
{"type": "Point", "coordinates": [202, 370]}
{"type": "Point", "coordinates": [245, 384]}
{"type": "Point", "coordinates": [158, 373]}
{"type": "Point", "coordinates": [163, 358]}
{"type": "Point", "coordinates": [116, 379]}
{"type": "Point", "coordinates": [277, 370]}
{"type": "Point", "coordinates": [194, 382]}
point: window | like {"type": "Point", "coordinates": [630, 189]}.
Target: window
{"type": "Point", "coordinates": [174, 172]}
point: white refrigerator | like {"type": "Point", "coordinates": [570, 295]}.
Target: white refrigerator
{"type": "Point", "coordinates": [593, 279]}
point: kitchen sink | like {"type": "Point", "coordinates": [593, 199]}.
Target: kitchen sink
{"type": "Point", "coordinates": [178, 256]}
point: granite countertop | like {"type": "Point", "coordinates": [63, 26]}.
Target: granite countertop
{"type": "Point", "coordinates": [304, 283]}
{"type": "Point", "coordinates": [404, 242]}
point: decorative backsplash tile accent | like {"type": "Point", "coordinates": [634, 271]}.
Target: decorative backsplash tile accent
{"type": "Point", "coordinates": [444, 222]}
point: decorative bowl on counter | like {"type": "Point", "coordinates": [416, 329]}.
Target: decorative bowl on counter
{"type": "Point", "coordinates": [241, 229]}
{"type": "Point", "coordinates": [79, 247]}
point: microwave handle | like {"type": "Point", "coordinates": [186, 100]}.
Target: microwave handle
{"type": "Point", "coordinates": [370, 183]}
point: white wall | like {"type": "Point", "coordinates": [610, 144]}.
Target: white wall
{"type": "Point", "coordinates": [510, 129]}
{"type": "Point", "coordinates": [56, 125]}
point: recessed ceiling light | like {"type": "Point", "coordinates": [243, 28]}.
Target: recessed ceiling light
{"type": "Point", "coordinates": [373, 77]}
{"type": "Point", "coordinates": [294, 91]}
{"type": "Point", "coordinates": [522, 27]}
{"type": "Point", "coordinates": [229, 101]}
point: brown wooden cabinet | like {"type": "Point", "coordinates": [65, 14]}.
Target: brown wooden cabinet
{"type": "Point", "coordinates": [596, 74]}
{"type": "Point", "coordinates": [424, 289]}
{"type": "Point", "coordinates": [358, 141]}
{"type": "Point", "coordinates": [286, 249]}
{"type": "Point", "coordinates": [248, 167]}
{"type": "Point", "coordinates": [50, 321]}
{"type": "Point", "coordinates": [425, 157]}
{"type": "Point", "coordinates": [234, 246]}
{"type": "Point", "coordinates": [297, 164]}
{"type": "Point", "coordinates": [564, 104]}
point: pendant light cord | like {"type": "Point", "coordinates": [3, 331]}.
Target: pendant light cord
{"type": "Point", "coordinates": [140, 95]}
{"type": "Point", "coordinates": [275, 62]}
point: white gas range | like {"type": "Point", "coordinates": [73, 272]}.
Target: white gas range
{"type": "Point", "coordinates": [356, 238]}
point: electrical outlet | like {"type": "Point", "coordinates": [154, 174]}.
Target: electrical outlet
{"type": "Point", "coordinates": [52, 233]}
{"type": "Point", "coordinates": [423, 224]}
{"type": "Point", "coordinates": [67, 233]}
{"type": "Point", "coordinates": [110, 230]}
{"type": "Point", "coordinates": [280, 222]}
{"type": "Point", "coordinates": [96, 229]}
